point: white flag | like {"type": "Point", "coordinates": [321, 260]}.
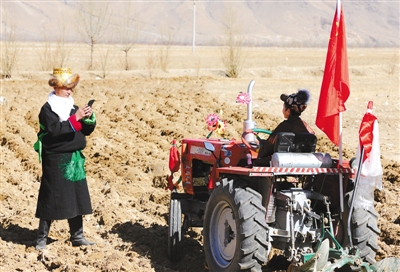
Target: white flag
{"type": "Point", "coordinates": [371, 168]}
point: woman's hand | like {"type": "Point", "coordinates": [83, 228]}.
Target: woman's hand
{"type": "Point", "coordinates": [83, 112]}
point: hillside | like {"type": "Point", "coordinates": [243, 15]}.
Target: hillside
{"type": "Point", "coordinates": [263, 23]}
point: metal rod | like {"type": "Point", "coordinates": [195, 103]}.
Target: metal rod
{"type": "Point", "coordinates": [341, 202]}
{"type": "Point", "coordinates": [194, 24]}
{"type": "Point", "coordinates": [249, 123]}
{"type": "Point", "coordinates": [354, 196]}
{"type": "Point", "coordinates": [250, 105]}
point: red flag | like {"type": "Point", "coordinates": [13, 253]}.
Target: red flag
{"type": "Point", "coordinates": [174, 165]}
{"type": "Point", "coordinates": [366, 132]}
{"type": "Point", "coordinates": [335, 87]}
{"type": "Point", "coordinates": [174, 158]}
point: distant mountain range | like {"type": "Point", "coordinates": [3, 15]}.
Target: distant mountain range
{"type": "Point", "coordinates": [263, 23]}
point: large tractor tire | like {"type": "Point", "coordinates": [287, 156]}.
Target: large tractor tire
{"type": "Point", "coordinates": [365, 233]}
{"type": "Point", "coordinates": [174, 230]}
{"type": "Point", "coordinates": [235, 233]}
{"type": "Point", "coordinates": [364, 230]}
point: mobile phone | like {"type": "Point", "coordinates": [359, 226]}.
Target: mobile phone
{"type": "Point", "coordinates": [90, 103]}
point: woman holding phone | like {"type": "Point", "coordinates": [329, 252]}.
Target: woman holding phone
{"type": "Point", "coordinates": [63, 192]}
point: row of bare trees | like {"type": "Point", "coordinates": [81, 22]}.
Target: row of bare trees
{"type": "Point", "coordinates": [10, 49]}
{"type": "Point", "coordinates": [233, 39]}
{"type": "Point", "coordinates": [55, 53]}
{"type": "Point", "coordinates": [92, 20]}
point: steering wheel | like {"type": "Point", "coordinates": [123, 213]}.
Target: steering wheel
{"type": "Point", "coordinates": [254, 145]}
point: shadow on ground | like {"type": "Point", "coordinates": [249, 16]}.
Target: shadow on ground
{"type": "Point", "coordinates": [152, 242]}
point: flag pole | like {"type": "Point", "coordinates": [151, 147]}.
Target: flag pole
{"type": "Point", "coordinates": [194, 25]}
{"type": "Point", "coordinates": [335, 90]}
{"type": "Point", "coordinates": [341, 198]}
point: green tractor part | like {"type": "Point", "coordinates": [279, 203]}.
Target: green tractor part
{"type": "Point", "coordinates": [387, 265]}
{"type": "Point", "coordinates": [330, 259]}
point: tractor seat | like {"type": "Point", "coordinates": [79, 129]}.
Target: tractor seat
{"type": "Point", "coordinates": [300, 142]}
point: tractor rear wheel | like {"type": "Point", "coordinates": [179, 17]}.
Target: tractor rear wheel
{"type": "Point", "coordinates": [364, 230]}
{"type": "Point", "coordinates": [174, 230]}
{"type": "Point", "coordinates": [235, 232]}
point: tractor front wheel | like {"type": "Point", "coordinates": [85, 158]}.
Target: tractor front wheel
{"type": "Point", "coordinates": [235, 232]}
{"type": "Point", "coordinates": [174, 230]}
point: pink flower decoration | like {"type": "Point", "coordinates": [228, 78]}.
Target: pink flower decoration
{"type": "Point", "coordinates": [243, 98]}
{"type": "Point", "coordinates": [212, 121]}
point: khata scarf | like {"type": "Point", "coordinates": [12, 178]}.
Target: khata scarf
{"type": "Point", "coordinates": [61, 105]}
{"type": "Point", "coordinates": [74, 170]}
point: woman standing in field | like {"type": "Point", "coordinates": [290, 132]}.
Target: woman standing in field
{"type": "Point", "coordinates": [63, 192]}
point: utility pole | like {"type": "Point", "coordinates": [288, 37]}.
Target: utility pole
{"type": "Point", "coordinates": [194, 24]}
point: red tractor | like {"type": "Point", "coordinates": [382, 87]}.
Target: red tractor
{"type": "Point", "coordinates": [300, 205]}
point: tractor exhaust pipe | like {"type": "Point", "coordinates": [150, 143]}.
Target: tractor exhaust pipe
{"type": "Point", "coordinates": [249, 123]}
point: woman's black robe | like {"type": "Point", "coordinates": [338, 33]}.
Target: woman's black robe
{"type": "Point", "coordinates": [60, 198]}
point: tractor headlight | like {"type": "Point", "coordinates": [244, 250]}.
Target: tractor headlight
{"type": "Point", "coordinates": [353, 163]}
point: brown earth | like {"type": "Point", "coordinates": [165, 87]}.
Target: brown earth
{"type": "Point", "coordinates": [127, 155]}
